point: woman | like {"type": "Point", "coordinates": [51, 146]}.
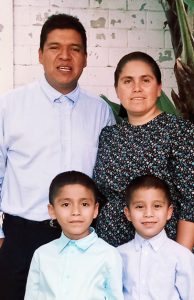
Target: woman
{"type": "Point", "coordinates": [150, 141]}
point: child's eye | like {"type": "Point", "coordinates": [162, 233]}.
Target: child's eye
{"type": "Point", "coordinates": [85, 204]}
{"type": "Point", "coordinates": [157, 205]}
{"type": "Point", "coordinates": [66, 204]}
{"type": "Point", "coordinates": [139, 206]}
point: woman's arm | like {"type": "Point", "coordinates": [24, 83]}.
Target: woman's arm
{"type": "Point", "coordinates": [185, 234]}
{"type": "Point", "coordinates": [183, 178]}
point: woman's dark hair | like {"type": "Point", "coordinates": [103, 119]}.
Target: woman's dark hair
{"type": "Point", "coordinates": [147, 181]}
{"type": "Point", "coordinates": [72, 177]}
{"type": "Point", "coordinates": [62, 21]}
{"type": "Point", "coordinates": [139, 56]}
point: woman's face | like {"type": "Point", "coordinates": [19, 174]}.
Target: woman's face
{"type": "Point", "coordinates": [138, 89]}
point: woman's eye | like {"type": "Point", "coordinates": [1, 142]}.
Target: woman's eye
{"type": "Point", "coordinates": [127, 81]}
{"type": "Point", "coordinates": [146, 80]}
{"type": "Point", "coordinates": [85, 204]}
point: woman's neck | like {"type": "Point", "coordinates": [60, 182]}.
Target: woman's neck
{"type": "Point", "coordinates": [135, 119]}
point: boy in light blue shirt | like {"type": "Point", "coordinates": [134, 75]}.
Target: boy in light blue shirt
{"type": "Point", "coordinates": [154, 266]}
{"type": "Point", "coordinates": [78, 265]}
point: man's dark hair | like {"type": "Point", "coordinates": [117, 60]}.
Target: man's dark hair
{"type": "Point", "coordinates": [72, 177]}
{"type": "Point", "coordinates": [62, 21]}
{"type": "Point", "coordinates": [146, 182]}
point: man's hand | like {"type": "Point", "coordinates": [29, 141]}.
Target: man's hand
{"type": "Point", "coordinates": [1, 241]}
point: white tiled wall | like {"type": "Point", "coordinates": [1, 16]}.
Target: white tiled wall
{"type": "Point", "coordinates": [113, 27]}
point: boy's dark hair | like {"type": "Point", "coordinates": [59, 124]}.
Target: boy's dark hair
{"type": "Point", "coordinates": [72, 177]}
{"type": "Point", "coordinates": [147, 181]}
{"type": "Point", "coordinates": [62, 21]}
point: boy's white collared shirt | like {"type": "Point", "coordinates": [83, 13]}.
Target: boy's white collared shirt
{"type": "Point", "coordinates": [158, 269]}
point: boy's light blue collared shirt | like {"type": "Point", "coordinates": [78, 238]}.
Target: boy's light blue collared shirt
{"type": "Point", "coordinates": [158, 269]}
{"type": "Point", "coordinates": [85, 269]}
{"type": "Point", "coordinates": [43, 133]}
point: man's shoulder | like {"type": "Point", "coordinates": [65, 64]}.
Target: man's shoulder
{"type": "Point", "coordinates": [92, 98]}
{"type": "Point", "coordinates": [20, 91]}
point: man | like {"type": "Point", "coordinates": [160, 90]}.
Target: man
{"type": "Point", "coordinates": [46, 127]}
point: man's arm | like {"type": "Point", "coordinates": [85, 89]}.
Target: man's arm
{"type": "Point", "coordinates": [3, 155]}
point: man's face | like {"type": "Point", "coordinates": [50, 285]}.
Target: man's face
{"type": "Point", "coordinates": [63, 58]}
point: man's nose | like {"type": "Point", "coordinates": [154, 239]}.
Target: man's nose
{"type": "Point", "coordinates": [64, 53]}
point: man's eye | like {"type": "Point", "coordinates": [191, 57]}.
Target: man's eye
{"type": "Point", "coordinates": [53, 47]}
{"type": "Point", "coordinates": [76, 49]}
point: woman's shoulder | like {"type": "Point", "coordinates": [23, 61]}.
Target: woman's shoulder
{"type": "Point", "coordinates": [174, 119]}
{"type": "Point", "coordinates": [174, 123]}
{"type": "Point", "coordinates": [114, 128]}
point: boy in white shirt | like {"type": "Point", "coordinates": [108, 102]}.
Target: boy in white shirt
{"type": "Point", "coordinates": [78, 265]}
{"type": "Point", "coordinates": [154, 266]}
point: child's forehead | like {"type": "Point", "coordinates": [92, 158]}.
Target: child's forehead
{"type": "Point", "coordinates": [148, 194]}
{"type": "Point", "coordinates": [75, 191]}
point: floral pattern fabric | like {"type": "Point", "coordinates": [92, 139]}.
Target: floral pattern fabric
{"type": "Point", "coordinates": [163, 147]}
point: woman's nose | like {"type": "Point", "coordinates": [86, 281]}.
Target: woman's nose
{"type": "Point", "coordinates": [137, 86]}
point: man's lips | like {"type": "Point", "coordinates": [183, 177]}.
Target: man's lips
{"type": "Point", "coordinates": [64, 68]}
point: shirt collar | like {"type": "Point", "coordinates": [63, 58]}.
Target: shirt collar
{"type": "Point", "coordinates": [53, 95]}
{"type": "Point", "coordinates": [156, 242]}
{"type": "Point", "coordinates": [82, 244]}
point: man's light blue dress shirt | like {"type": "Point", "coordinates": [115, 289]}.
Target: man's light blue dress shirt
{"type": "Point", "coordinates": [157, 269]}
{"type": "Point", "coordinates": [85, 269]}
{"type": "Point", "coordinates": [43, 133]}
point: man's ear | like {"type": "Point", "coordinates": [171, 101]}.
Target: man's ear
{"type": "Point", "coordinates": [127, 213]}
{"type": "Point", "coordinates": [51, 211]}
{"type": "Point", "coordinates": [40, 56]}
